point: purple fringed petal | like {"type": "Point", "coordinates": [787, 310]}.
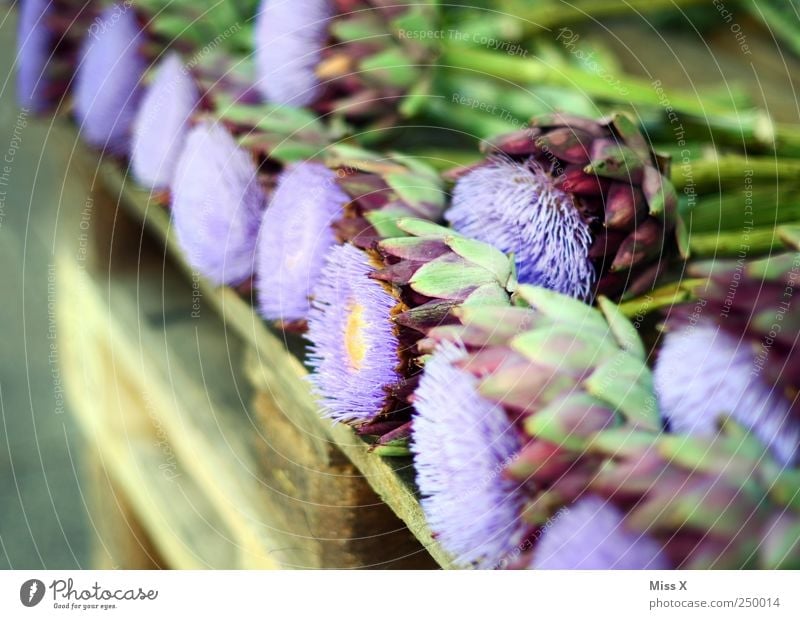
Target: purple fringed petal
{"type": "Point", "coordinates": [290, 36]}
{"type": "Point", "coordinates": [107, 89]}
{"type": "Point", "coordinates": [161, 124]}
{"type": "Point", "coordinates": [34, 47]}
{"type": "Point", "coordinates": [703, 372]}
{"type": "Point", "coordinates": [462, 443]}
{"type": "Point", "coordinates": [217, 205]}
{"type": "Point", "coordinates": [295, 236]}
{"type": "Point", "coordinates": [516, 208]}
{"type": "Point", "coordinates": [354, 349]}
{"type": "Point", "coordinates": [591, 535]}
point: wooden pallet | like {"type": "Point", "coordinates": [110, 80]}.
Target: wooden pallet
{"type": "Point", "coordinates": [208, 443]}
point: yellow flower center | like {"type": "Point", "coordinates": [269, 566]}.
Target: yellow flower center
{"type": "Point", "coordinates": [354, 336]}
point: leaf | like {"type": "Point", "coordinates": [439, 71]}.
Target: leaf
{"type": "Point", "coordinates": [484, 255]}
{"type": "Point", "coordinates": [560, 308]}
{"type": "Point", "coordinates": [626, 384]}
{"type": "Point", "coordinates": [449, 277]}
{"type": "Point", "coordinates": [625, 333]}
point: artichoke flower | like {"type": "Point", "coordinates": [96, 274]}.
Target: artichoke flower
{"type": "Point", "coordinates": [719, 502]}
{"type": "Point", "coordinates": [591, 534]}
{"type": "Point", "coordinates": [371, 307]}
{"type": "Point", "coordinates": [347, 56]}
{"type": "Point", "coordinates": [48, 39]}
{"type": "Point", "coordinates": [585, 206]}
{"type": "Point", "coordinates": [355, 196]}
{"type": "Point", "coordinates": [161, 124]}
{"type": "Point", "coordinates": [556, 372]}
{"type": "Point", "coordinates": [107, 83]}
{"type": "Point", "coordinates": [217, 205]}
{"type": "Point", "coordinates": [742, 331]}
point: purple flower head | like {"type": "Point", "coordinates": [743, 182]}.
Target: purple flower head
{"type": "Point", "coordinates": [354, 349]}
{"type": "Point", "coordinates": [516, 208]}
{"type": "Point", "coordinates": [160, 127]}
{"type": "Point", "coordinates": [462, 443]}
{"type": "Point", "coordinates": [107, 83]}
{"type": "Point", "coordinates": [295, 236]}
{"type": "Point", "coordinates": [217, 205]}
{"type": "Point", "coordinates": [591, 535]}
{"type": "Point", "coordinates": [703, 372]}
{"type": "Point", "coordinates": [290, 36]}
{"type": "Point", "coordinates": [35, 44]}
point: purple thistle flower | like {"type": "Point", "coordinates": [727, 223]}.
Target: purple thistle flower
{"type": "Point", "coordinates": [516, 208]}
{"type": "Point", "coordinates": [703, 372]}
{"type": "Point", "coordinates": [217, 204]}
{"type": "Point", "coordinates": [591, 535]}
{"type": "Point", "coordinates": [462, 443]}
{"type": "Point", "coordinates": [295, 236]}
{"type": "Point", "coordinates": [160, 127]}
{"type": "Point", "coordinates": [354, 349]}
{"type": "Point", "coordinates": [107, 83]}
{"type": "Point", "coordinates": [34, 49]}
{"type": "Point", "coordinates": [290, 38]}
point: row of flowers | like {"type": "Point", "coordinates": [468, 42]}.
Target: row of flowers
{"type": "Point", "coordinates": [467, 318]}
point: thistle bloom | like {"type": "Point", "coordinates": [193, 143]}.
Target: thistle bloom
{"type": "Point", "coordinates": [354, 350]}
{"type": "Point", "coordinates": [591, 535]}
{"type": "Point", "coordinates": [462, 444]}
{"type": "Point", "coordinates": [160, 127]}
{"type": "Point", "coordinates": [296, 233]}
{"type": "Point", "coordinates": [217, 205]}
{"type": "Point", "coordinates": [516, 208]}
{"type": "Point", "coordinates": [34, 47]}
{"type": "Point", "coordinates": [585, 205]}
{"type": "Point", "coordinates": [107, 83]}
{"type": "Point", "coordinates": [290, 38]}
{"type": "Point", "coordinates": [703, 372]}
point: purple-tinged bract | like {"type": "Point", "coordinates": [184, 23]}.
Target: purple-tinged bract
{"type": "Point", "coordinates": [107, 89]}
{"type": "Point", "coordinates": [515, 207]}
{"type": "Point", "coordinates": [290, 38]}
{"type": "Point", "coordinates": [354, 351]}
{"type": "Point", "coordinates": [295, 235]}
{"type": "Point", "coordinates": [217, 204]}
{"type": "Point", "coordinates": [161, 124]}
{"type": "Point", "coordinates": [591, 535]}
{"type": "Point", "coordinates": [34, 47]}
{"type": "Point", "coordinates": [462, 443]}
{"type": "Point", "coordinates": [703, 372]}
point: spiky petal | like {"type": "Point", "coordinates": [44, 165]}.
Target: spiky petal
{"type": "Point", "coordinates": [461, 444]}
{"type": "Point", "coordinates": [295, 235]}
{"type": "Point", "coordinates": [107, 89]}
{"type": "Point", "coordinates": [217, 205]}
{"type": "Point", "coordinates": [161, 124]}
{"type": "Point", "coordinates": [703, 372]}
{"type": "Point", "coordinates": [354, 349]}
{"type": "Point", "coordinates": [515, 207]}
{"type": "Point", "coordinates": [591, 535]}
{"type": "Point", "coordinates": [290, 37]}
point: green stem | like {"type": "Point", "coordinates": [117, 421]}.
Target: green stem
{"type": "Point", "coordinates": [531, 70]}
{"type": "Point", "coordinates": [707, 175]}
{"type": "Point", "coordinates": [665, 296]}
{"type": "Point", "coordinates": [783, 24]}
{"type": "Point", "coordinates": [731, 244]}
{"type": "Point", "coordinates": [558, 13]}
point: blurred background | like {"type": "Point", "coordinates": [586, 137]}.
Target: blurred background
{"type": "Point", "coordinates": [44, 514]}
